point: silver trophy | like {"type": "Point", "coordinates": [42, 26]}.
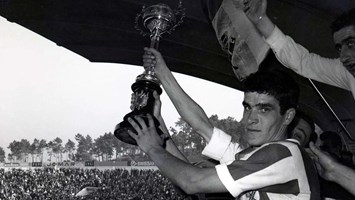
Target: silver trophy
{"type": "Point", "coordinates": [154, 20]}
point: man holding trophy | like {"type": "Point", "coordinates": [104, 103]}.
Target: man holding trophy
{"type": "Point", "coordinates": [270, 168]}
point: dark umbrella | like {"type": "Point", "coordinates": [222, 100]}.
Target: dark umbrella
{"type": "Point", "coordinates": [103, 31]}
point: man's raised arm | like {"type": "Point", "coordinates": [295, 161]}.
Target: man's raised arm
{"type": "Point", "coordinates": [188, 109]}
{"type": "Point", "coordinates": [293, 55]}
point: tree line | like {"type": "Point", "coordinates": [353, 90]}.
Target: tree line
{"type": "Point", "coordinates": [107, 147]}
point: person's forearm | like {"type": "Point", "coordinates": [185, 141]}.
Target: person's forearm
{"type": "Point", "coordinates": [172, 167]}
{"type": "Point", "coordinates": [189, 178]}
{"type": "Point", "coordinates": [344, 176]}
{"type": "Point", "coordinates": [265, 26]}
{"type": "Point", "coordinates": [162, 124]}
{"type": "Point", "coordinates": [189, 110]}
{"type": "Point", "coordinates": [170, 146]}
{"type": "Point", "coordinates": [173, 149]}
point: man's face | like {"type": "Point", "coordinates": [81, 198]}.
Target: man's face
{"type": "Point", "coordinates": [302, 132]}
{"type": "Point", "coordinates": [344, 41]}
{"type": "Point", "coordinates": [262, 119]}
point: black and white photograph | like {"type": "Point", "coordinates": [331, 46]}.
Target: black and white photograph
{"type": "Point", "coordinates": [177, 100]}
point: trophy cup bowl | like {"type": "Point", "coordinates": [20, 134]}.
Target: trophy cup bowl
{"type": "Point", "coordinates": [158, 17]}
{"type": "Point", "coordinates": [156, 20]}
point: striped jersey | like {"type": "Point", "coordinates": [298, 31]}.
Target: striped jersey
{"type": "Point", "coordinates": [277, 170]}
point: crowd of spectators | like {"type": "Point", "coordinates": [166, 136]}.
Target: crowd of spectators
{"type": "Point", "coordinates": [65, 183]}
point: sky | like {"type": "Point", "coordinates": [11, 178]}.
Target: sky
{"type": "Point", "coordinates": [47, 91]}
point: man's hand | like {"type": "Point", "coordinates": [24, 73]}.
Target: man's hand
{"type": "Point", "coordinates": [255, 10]}
{"type": "Point", "coordinates": [324, 162]}
{"type": "Point", "coordinates": [152, 58]}
{"type": "Point", "coordinates": [147, 136]}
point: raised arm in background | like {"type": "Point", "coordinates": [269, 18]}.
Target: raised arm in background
{"type": "Point", "coordinates": [294, 56]}
{"type": "Point", "coordinates": [256, 12]}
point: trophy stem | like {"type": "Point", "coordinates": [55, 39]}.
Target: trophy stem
{"type": "Point", "coordinates": [154, 41]}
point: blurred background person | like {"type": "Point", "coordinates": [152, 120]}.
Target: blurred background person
{"type": "Point", "coordinates": [302, 129]}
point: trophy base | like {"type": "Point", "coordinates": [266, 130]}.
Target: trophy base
{"type": "Point", "coordinates": [121, 130]}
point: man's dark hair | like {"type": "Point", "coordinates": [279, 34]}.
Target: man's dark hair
{"type": "Point", "coordinates": [343, 20]}
{"type": "Point", "coordinates": [276, 83]}
{"type": "Point", "coordinates": [306, 118]}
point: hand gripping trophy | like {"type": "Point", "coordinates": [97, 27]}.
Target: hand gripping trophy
{"type": "Point", "coordinates": [153, 20]}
